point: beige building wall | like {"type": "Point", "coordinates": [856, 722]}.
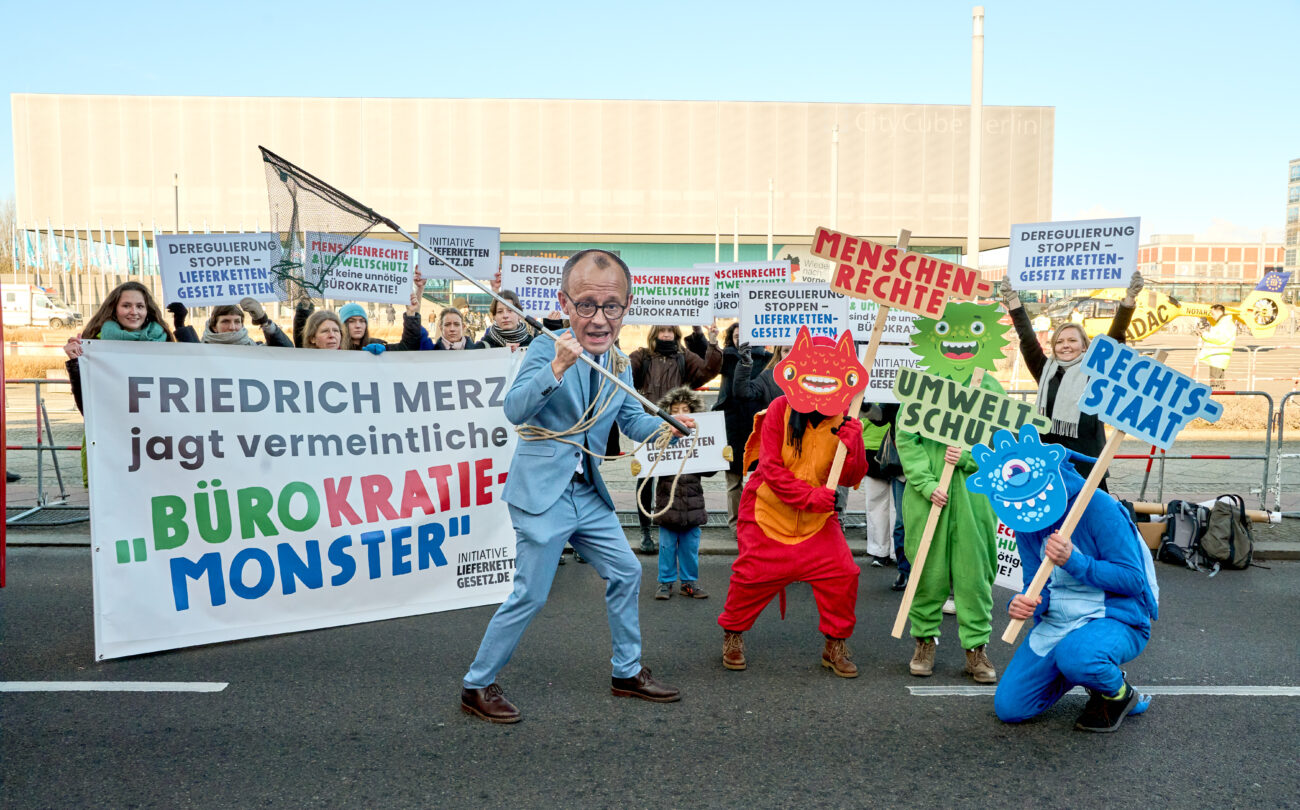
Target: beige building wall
{"type": "Point", "coordinates": [538, 169]}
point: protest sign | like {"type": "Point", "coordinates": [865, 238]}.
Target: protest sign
{"type": "Point", "coordinates": [377, 270]}
{"type": "Point", "coordinates": [772, 315]}
{"type": "Point", "coordinates": [896, 277]}
{"type": "Point", "coordinates": [884, 371]}
{"type": "Point", "coordinates": [217, 268]}
{"type": "Point", "coordinates": [702, 451]}
{"type": "Point", "coordinates": [535, 280]}
{"type": "Point", "coordinates": [727, 279]}
{"type": "Point", "coordinates": [1141, 396]}
{"type": "Point", "coordinates": [663, 296]}
{"type": "Point", "coordinates": [242, 492]}
{"type": "Point", "coordinates": [1135, 395]}
{"type": "Point", "coordinates": [956, 415]}
{"type": "Point", "coordinates": [1008, 575]}
{"type": "Point", "coordinates": [862, 319]}
{"type": "Point", "coordinates": [1088, 254]}
{"type": "Point", "coordinates": [476, 251]}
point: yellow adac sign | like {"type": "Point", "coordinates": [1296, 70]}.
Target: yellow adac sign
{"type": "Point", "coordinates": [1261, 311]}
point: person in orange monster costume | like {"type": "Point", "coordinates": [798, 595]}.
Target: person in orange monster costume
{"type": "Point", "coordinates": [788, 530]}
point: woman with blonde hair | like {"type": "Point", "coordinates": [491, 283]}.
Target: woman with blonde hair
{"type": "Point", "coordinates": [1061, 381]}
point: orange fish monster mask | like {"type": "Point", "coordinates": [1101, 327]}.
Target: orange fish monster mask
{"type": "Point", "coordinates": [820, 374]}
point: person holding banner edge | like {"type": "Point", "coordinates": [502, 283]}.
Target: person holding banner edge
{"type": "Point", "coordinates": [555, 492]}
{"type": "Point", "coordinates": [1060, 377]}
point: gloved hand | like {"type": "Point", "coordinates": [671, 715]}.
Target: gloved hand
{"type": "Point", "coordinates": [849, 432]}
{"type": "Point", "coordinates": [1134, 287]}
{"type": "Point", "coordinates": [179, 312]}
{"type": "Point", "coordinates": [1008, 293]}
{"type": "Point", "coordinates": [743, 354]}
{"type": "Point", "coordinates": [374, 348]}
{"type": "Point", "coordinates": [823, 500]}
{"type": "Point", "coordinates": [254, 310]}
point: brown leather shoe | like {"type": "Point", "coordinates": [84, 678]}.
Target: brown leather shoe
{"type": "Point", "coordinates": [922, 664]}
{"type": "Point", "coordinates": [979, 666]}
{"type": "Point", "coordinates": [488, 703]}
{"type": "Point", "coordinates": [733, 650]}
{"type": "Point", "coordinates": [643, 686]}
{"type": "Point", "coordinates": [836, 658]}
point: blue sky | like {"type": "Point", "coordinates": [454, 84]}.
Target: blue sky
{"type": "Point", "coordinates": [1181, 113]}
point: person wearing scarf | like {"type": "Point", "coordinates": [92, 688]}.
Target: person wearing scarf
{"type": "Point", "coordinates": [1061, 381]}
{"type": "Point", "coordinates": [128, 313]}
{"type": "Point", "coordinates": [451, 333]}
{"type": "Point", "coordinates": [225, 326]}
{"type": "Point", "coordinates": [507, 328]}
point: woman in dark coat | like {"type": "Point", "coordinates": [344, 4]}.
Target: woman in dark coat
{"type": "Point", "coordinates": [738, 411]}
{"type": "Point", "coordinates": [1061, 381]}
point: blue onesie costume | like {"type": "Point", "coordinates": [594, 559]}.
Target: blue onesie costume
{"type": "Point", "coordinates": [1095, 615]}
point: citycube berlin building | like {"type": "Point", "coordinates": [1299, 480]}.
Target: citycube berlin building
{"type": "Point", "coordinates": [663, 183]}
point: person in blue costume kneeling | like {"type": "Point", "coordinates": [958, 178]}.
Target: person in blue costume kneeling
{"type": "Point", "coordinates": [1095, 612]}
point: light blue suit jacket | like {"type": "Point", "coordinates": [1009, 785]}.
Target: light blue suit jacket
{"type": "Point", "coordinates": [541, 470]}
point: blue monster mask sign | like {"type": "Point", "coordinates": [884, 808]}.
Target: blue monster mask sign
{"type": "Point", "coordinates": [1022, 479]}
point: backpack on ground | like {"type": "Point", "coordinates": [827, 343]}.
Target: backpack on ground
{"type": "Point", "coordinates": [1228, 541]}
{"type": "Point", "coordinates": [1184, 528]}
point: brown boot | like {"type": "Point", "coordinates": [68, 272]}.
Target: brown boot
{"type": "Point", "coordinates": [979, 666]}
{"type": "Point", "coordinates": [836, 658]}
{"type": "Point", "coordinates": [922, 664]}
{"type": "Point", "coordinates": [733, 650]}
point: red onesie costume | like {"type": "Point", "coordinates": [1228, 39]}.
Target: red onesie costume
{"type": "Point", "coordinates": [788, 531]}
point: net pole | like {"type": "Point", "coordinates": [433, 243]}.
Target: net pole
{"type": "Point", "coordinates": [536, 324]}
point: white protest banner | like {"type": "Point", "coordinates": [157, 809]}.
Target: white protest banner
{"type": "Point", "coordinates": [1008, 575]}
{"type": "Point", "coordinates": [535, 280]}
{"type": "Point", "coordinates": [670, 297]}
{"type": "Point", "coordinates": [476, 251]}
{"type": "Point", "coordinates": [241, 491]}
{"type": "Point", "coordinates": [771, 316]}
{"type": "Point", "coordinates": [862, 319]}
{"type": "Point", "coordinates": [884, 370]}
{"type": "Point", "coordinates": [727, 279]}
{"type": "Point", "coordinates": [705, 455]}
{"type": "Point", "coordinates": [1086, 254]}
{"type": "Point", "coordinates": [216, 268]}
{"type": "Point", "coordinates": [377, 270]}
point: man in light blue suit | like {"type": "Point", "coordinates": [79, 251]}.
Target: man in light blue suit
{"type": "Point", "coordinates": [554, 489]}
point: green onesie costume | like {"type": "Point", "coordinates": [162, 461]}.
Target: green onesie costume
{"type": "Point", "coordinates": [963, 553]}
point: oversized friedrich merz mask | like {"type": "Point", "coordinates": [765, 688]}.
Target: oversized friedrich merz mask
{"type": "Point", "coordinates": [1022, 479]}
{"type": "Point", "coordinates": [820, 374]}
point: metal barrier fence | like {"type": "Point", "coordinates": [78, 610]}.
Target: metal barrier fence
{"type": "Point", "coordinates": [1155, 454]}
{"type": "Point", "coordinates": [57, 506]}
{"type": "Point", "coordinates": [1283, 456]}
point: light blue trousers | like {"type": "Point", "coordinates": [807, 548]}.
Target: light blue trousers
{"type": "Point", "coordinates": [581, 518]}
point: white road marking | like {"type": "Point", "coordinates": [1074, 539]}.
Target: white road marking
{"type": "Point", "coordinates": [1230, 691]}
{"type": "Point", "coordinates": [111, 686]}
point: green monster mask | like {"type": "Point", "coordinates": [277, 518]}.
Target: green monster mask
{"type": "Point", "coordinates": [966, 338]}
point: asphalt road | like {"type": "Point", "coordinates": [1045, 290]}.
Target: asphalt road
{"type": "Point", "coordinates": [367, 715]}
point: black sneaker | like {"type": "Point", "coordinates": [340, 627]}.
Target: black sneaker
{"type": "Point", "coordinates": [900, 584]}
{"type": "Point", "coordinates": [648, 545]}
{"type": "Point", "coordinates": [877, 562]}
{"type": "Point", "coordinates": [578, 558]}
{"type": "Point", "coordinates": [1103, 714]}
{"type": "Point", "coordinates": [11, 477]}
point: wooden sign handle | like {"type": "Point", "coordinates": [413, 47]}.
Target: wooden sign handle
{"type": "Point", "coordinates": [873, 345]}
{"type": "Point", "coordinates": [931, 523]}
{"type": "Point", "coordinates": [1072, 519]}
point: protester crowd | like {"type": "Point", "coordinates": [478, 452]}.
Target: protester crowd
{"type": "Point", "coordinates": [899, 471]}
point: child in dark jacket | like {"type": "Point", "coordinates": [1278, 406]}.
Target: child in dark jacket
{"type": "Point", "coordinates": [679, 527]}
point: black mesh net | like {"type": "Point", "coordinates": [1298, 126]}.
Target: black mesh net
{"type": "Point", "coordinates": [300, 204]}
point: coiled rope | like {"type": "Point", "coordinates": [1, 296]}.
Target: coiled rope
{"type": "Point", "coordinates": [659, 439]}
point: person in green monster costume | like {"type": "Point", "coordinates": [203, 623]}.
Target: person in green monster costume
{"type": "Point", "coordinates": [963, 551]}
